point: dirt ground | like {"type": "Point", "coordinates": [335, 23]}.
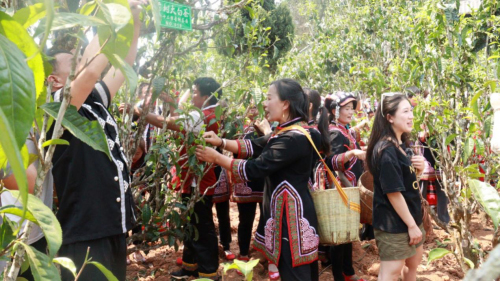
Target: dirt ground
{"type": "Point", "coordinates": [161, 262]}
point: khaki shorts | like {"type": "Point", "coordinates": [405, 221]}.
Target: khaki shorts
{"type": "Point", "coordinates": [395, 246]}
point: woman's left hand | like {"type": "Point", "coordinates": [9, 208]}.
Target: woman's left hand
{"type": "Point", "coordinates": [418, 162]}
{"type": "Point", "coordinates": [206, 154]}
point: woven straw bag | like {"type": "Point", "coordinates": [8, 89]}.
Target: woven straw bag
{"type": "Point", "coordinates": [365, 184]}
{"type": "Point", "coordinates": [338, 224]}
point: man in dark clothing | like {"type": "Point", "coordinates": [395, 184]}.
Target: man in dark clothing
{"type": "Point", "coordinates": [95, 201]}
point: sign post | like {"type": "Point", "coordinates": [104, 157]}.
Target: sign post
{"type": "Point", "coordinates": [175, 16]}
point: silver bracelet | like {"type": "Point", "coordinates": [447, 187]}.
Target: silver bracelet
{"type": "Point", "coordinates": [223, 143]}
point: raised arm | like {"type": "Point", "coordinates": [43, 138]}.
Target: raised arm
{"type": "Point", "coordinates": [114, 78]}
{"type": "Point", "coordinates": [90, 69]}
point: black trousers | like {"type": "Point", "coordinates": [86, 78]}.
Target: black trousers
{"type": "Point", "coordinates": [40, 245]}
{"type": "Point", "coordinates": [246, 213]}
{"type": "Point", "coordinates": [307, 272]}
{"type": "Point", "coordinates": [109, 251]}
{"type": "Point", "coordinates": [202, 254]}
{"type": "Point", "coordinates": [341, 257]}
{"type": "Point", "coordinates": [222, 210]}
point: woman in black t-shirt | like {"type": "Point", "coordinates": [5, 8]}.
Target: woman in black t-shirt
{"type": "Point", "coordinates": [397, 214]}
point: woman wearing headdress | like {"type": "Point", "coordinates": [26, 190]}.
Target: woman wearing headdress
{"type": "Point", "coordinates": [285, 159]}
{"type": "Point", "coordinates": [346, 159]}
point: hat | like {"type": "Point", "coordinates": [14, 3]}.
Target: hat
{"type": "Point", "coordinates": [342, 98]}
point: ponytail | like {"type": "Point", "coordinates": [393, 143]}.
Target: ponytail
{"type": "Point", "coordinates": [323, 129]}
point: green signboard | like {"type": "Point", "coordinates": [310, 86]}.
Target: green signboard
{"type": "Point", "coordinates": [175, 16]}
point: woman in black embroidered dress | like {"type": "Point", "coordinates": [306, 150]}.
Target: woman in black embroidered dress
{"type": "Point", "coordinates": [285, 159]}
{"type": "Point", "coordinates": [347, 160]}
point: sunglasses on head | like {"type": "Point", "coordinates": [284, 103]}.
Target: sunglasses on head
{"type": "Point", "coordinates": [387, 95]}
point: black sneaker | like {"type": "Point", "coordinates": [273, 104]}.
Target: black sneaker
{"type": "Point", "coordinates": [183, 274]}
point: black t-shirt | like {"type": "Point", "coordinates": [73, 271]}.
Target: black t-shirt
{"type": "Point", "coordinates": [95, 200]}
{"type": "Point", "coordinates": [394, 173]}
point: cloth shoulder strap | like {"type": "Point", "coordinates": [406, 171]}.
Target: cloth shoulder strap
{"type": "Point", "coordinates": [351, 205]}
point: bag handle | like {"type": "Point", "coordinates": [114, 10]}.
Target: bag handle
{"type": "Point", "coordinates": [351, 205]}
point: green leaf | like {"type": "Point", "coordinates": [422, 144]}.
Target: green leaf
{"type": "Point", "coordinates": [276, 52]}
{"type": "Point", "coordinates": [18, 35]}
{"type": "Point", "coordinates": [449, 139]}
{"type": "Point", "coordinates": [88, 8]}
{"type": "Point", "coordinates": [17, 211]}
{"type": "Point", "coordinates": [69, 20]}
{"type": "Point", "coordinates": [49, 20]}
{"type": "Point", "coordinates": [66, 263]}
{"type": "Point", "coordinates": [479, 147]}
{"type": "Point", "coordinates": [27, 16]}
{"type": "Point", "coordinates": [468, 149]}
{"type": "Point", "coordinates": [41, 266]}
{"type": "Point", "coordinates": [24, 266]}
{"type": "Point", "coordinates": [474, 103]}
{"type": "Point", "coordinates": [125, 68]}
{"type": "Point", "coordinates": [10, 149]}
{"type": "Point", "coordinates": [247, 267]}
{"type": "Point", "coordinates": [146, 214]}
{"type": "Point", "coordinates": [18, 92]}
{"type": "Point", "coordinates": [218, 112]}
{"type": "Point", "coordinates": [6, 234]}
{"type": "Point", "coordinates": [228, 266]}
{"type": "Point", "coordinates": [90, 132]}
{"type": "Point", "coordinates": [118, 42]}
{"type": "Point", "coordinates": [437, 253]}
{"type": "Point", "coordinates": [155, 9]}
{"type": "Point", "coordinates": [55, 142]}
{"type": "Point", "coordinates": [488, 197]}
{"type": "Point", "coordinates": [47, 221]}
{"type": "Point", "coordinates": [469, 263]}
{"type": "Point", "coordinates": [115, 15]}
{"type": "Point", "coordinates": [104, 271]}
{"type": "Point", "coordinates": [158, 85]}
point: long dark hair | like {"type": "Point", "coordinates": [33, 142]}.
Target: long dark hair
{"type": "Point", "coordinates": [291, 91]}
{"type": "Point", "coordinates": [382, 135]}
{"type": "Point", "coordinates": [315, 100]}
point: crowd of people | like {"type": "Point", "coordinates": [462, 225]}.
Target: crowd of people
{"type": "Point", "coordinates": [272, 166]}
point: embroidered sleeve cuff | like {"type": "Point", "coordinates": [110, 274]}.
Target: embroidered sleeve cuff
{"type": "Point", "coordinates": [338, 162]}
{"type": "Point", "coordinates": [238, 170]}
{"type": "Point", "coordinates": [244, 149]}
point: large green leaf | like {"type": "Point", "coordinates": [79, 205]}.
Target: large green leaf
{"type": "Point", "coordinates": [118, 42]}
{"type": "Point", "coordinates": [47, 221]}
{"type": "Point", "coordinates": [437, 253]}
{"type": "Point", "coordinates": [109, 275]}
{"type": "Point", "coordinates": [488, 197]}
{"type": "Point", "coordinates": [90, 132]}
{"type": "Point", "coordinates": [124, 67]}
{"type": "Point", "coordinates": [23, 40]}
{"type": "Point", "coordinates": [41, 265]}
{"type": "Point", "coordinates": [10, 149]}
{"type": "Point", "coordinates": [17, 90]}
{"type": "Point", "coordinates": [27, 16]}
